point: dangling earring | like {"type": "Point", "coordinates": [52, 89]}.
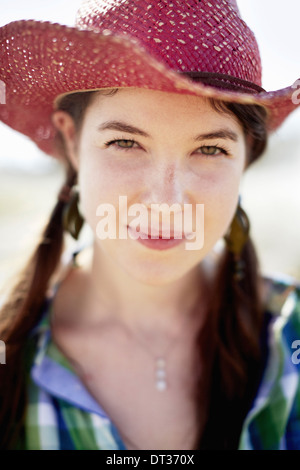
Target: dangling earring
{"type": "Point", "coordinates": [236, 239]}
{"type": "Point", "coordinates": [72, 219]}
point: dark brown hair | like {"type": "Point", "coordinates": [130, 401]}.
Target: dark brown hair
{"type": "Point", "coordinates": [229, 344]}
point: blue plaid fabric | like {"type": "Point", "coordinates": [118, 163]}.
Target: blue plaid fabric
{"type": "Point", "coordinates": [61, 414]}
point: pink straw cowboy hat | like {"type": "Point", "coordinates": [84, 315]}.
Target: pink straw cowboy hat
{"type": "Point", "coordinates": [132, 43]}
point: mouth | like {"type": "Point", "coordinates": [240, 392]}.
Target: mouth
{"type": "Point", "coordinates": [158, 235]}
{"type": "Point", "coordinates": [157, 240]}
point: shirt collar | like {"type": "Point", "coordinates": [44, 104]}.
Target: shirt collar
{"type": "Point", "coordinates": [52, 372]}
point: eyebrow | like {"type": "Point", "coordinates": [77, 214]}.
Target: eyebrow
{"type": "Point", "coordinates": [220, 134]}
{"type": "Point", "coordinates": [123, 127]}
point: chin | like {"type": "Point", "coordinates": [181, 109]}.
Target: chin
{"type": "Point", "coordinates": [157, 273]}
{"type": "Point", "coordinates": [155, 280]}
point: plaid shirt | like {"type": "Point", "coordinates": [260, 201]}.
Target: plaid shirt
{"type": "Point", "coordinates": [61, 414]}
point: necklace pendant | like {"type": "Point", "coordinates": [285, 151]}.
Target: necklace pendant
{"type": "Point", "coordinates": [161, 375]}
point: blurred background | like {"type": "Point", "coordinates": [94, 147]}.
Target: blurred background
{"type": "Point", "coordinates": [30, 181]}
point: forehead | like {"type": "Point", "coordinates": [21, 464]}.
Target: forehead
{"type": "Point", "coordinates": [152, 107]}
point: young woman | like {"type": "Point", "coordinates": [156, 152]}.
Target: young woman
{"type": "Point", "coordinates": [152, 338]}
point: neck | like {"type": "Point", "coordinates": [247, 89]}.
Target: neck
{"type": "Point", "coordinates": [141, 305]}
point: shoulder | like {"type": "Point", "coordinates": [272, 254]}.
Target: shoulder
{"type": "Point", "coordinates": [68, 286]}
{"type": "Point", "coordinates": [282, 305]}
{"type": "Point", "coordinates": [281, 295]}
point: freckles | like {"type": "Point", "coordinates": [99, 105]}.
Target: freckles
{"type": "Point", "coordinates": [218, 190]}
{"type": "Point", "coordinates": [208, 183]}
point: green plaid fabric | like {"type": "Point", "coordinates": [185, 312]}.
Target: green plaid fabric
{"type": "Point", "coordinates": [273, 423]}
{"type": "Point", "coordinates": [61, 414]}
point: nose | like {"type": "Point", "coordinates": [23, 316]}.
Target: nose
{"type": "Point", "coordinates": [166, 185]}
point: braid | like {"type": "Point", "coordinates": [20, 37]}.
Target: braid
{"type": "Point", "coordinates": [23, 309]}
{"type": "Point", "coordinates": [230, 349]}
{"type": "Point", "coordinates": [22, 312]}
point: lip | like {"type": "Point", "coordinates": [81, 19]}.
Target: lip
{"type": "Point", "coordinates": [159, 241]}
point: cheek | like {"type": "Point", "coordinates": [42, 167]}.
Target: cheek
{"type": "Point", "coordinates": [103, 182]}
{"type": "Point", "coordinates": [220, 196]}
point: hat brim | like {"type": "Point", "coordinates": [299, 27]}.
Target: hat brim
{"type": "Point", "coordinates": [42, 61]}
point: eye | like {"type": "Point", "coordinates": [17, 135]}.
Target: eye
{"type": "Point", "coordinates": [212, 150]}
{"type": "Point", "coordinates": [121, 143]}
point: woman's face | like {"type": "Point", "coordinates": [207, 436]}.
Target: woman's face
{"type": "Point", "coordinates": [153, 147]}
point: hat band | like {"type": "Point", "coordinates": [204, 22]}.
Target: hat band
{"type": "Point", "coordinates": [227, 82]}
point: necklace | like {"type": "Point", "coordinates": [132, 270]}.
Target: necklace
{"type": "Point", "coordinates": [160, 360]}
{"type": "Point", "coordinates": [160, 374]}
